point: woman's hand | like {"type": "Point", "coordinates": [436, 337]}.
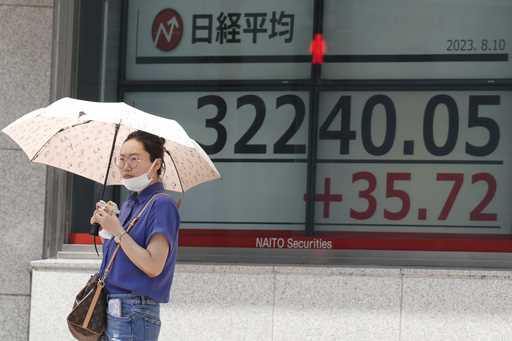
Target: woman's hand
{"type": "Point", "coordinates": [108, 221]}
{"type": "Point", "coordinates": [93, 217]}
{"type": "Point", "coordinates": [99, 205]}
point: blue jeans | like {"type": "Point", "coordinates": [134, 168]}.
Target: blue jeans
{"type": "Point", "coordinates": [139, 319]}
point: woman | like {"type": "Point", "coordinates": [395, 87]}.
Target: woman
{"type": "Point", "coordinates": [142, 272]}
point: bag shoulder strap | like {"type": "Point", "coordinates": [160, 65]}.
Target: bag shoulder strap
{"type": "Point", "coordinates": [132, 224]}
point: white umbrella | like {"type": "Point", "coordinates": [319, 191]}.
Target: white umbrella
{"type": "Point", "coordinates": [81, 137]}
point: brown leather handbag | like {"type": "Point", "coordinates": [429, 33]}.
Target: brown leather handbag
{"type": "Point", "coordinates": [88, 318]}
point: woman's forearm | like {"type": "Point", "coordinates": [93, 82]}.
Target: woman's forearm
{"type": "Point", "coordinates": [151, 261]}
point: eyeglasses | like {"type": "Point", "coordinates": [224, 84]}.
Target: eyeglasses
{"type": "Point", "coordinates": [132, 161]}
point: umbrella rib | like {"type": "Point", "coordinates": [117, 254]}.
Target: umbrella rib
{"type": "Point", "coordinates": [177, 173]}
{"type": "Point", "coordinates": [51, 137]}
{"type": "Point", "coordinates": [45, 144]}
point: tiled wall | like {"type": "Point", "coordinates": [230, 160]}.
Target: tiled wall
{"type": "Point", "coordinates": [25, 54]}
{"type": "Point", "coordinates": [277, 303]}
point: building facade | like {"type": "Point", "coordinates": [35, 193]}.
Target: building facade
{"type": "Point", "coordinates": [25, 57]}
{"type": "Point", "coordinates": [363, 148]}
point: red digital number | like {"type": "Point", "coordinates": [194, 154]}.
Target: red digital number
{"type": "Point", "coordinates": [476, 213]}
{"type": "Point", "coordinates": [458, 179]}
{"type": "Point", "coordinates": [392, 192]}
{"type": "Point", "coordinates": [365, 194]}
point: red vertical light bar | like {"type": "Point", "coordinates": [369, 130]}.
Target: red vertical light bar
{"type": "Point", "coordinates": [318, 49]}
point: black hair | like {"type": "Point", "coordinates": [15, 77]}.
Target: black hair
{"type": "Point", "coordinates": [152, 144]}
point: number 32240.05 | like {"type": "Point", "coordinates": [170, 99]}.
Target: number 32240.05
{"type": "Point", "coordinates": [344, 133]}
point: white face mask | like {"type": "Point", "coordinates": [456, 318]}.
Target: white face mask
{"type": "Point", "coordinates": [136, 184]}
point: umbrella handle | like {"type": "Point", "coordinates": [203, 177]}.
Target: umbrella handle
{"type": "Point", "coordinates": [94, 229]}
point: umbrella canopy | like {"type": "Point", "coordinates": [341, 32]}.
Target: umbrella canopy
{"type": "Point", "coordinates": [78, 136]}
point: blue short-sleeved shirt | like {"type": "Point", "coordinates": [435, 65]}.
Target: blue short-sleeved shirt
{"type": "Point", "coordinates": [159, 217]}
